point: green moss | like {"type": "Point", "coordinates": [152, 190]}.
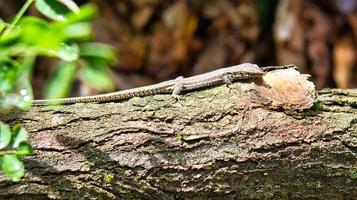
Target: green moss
{"type": "Point", "coordinates": [108, 178]}
{"type": "Point", "coordinates": [353, 173]}
{"type": "Point", "coordinates": [317, 106]}
{"type": "Point", "coordinates": [210, 165]}
{"type": "Point", "coordinates": [179, 136]}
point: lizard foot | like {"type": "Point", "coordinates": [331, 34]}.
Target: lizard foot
{"type": "Point", "coordinates": [177, 99]}
{"type": "Point", "coordinates": [232, 89]}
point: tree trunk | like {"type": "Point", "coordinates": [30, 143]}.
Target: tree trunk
{"type": "Point", "coordinates": [212, 144]}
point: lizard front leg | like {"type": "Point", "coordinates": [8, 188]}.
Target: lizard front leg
{"type": "Point", "coordinates": [228, 80]}
{"type": "Point", "coordinates": [177, 88]}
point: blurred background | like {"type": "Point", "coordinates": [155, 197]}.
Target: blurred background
{"type": "Point", "coordinates": [157, 40]}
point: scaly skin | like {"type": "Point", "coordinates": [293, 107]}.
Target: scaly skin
{"type": "Point", "coordinates": [226, 75]}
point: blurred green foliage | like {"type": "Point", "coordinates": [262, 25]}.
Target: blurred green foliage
{"type": "Point", "coordinates": [13, 144]}
{"type": "Point", "coordinates": [65, 38]}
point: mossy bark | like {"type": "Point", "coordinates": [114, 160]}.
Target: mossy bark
{"type": "Point", "coordinates": [212, 144]}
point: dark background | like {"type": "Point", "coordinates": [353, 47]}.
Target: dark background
{"type": "Point", "coordinates": [159, 40]}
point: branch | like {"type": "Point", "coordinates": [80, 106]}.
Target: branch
{"type": "Point", "coordinates": [212, 144]}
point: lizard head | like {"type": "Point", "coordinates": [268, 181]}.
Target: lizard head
{"type": "Point", "coordinates": [243, 72]}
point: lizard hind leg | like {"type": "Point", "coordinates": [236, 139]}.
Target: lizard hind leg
{"type": "Point", "coordinates": [177, 88]}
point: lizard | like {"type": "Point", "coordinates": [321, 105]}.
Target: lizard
{"type": "Point", "coordinates": [227, 75]}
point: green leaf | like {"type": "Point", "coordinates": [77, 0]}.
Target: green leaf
{"type": "Point", "coordinates": [38, 36]}
{"type": "Point", "coordinates": [24, 149]}
{"type": "Point", "coordinates": [16, 50]}
{"type": "Point", "coordinates": [70, 5]}
{"type": "Point", "coordinates": [19, 134]}
{"type": "Point", "coordinates": [52, 9]}
{"type": "Point", "coordinates": [5, 135]}
{"type": "Point", "coordinates": [15, 87]}
{"type": "Point", "coordinates": [57, 35]}
{"type": "Point", "coordinates": [2, 25]}
{"type": "Point", "coordinates": [22, 87]}
{"type": "Point", "coordinates": [104, 51]}
{"type": "Point", "coordinates": [86, 13]}
{"type": "Point", "coordinates": [68, 52]}
{"type": "Point", "coordinates": [96, 74]}
{"type": "Point", "coordinates": [80, 30]}
{"type": "Point", "coordinates": [12, 166]}
{"type": "Point", "coordinates": [61, 81]}
{"type": "Point", "coordinates": [9, 70]}
{"type": "Point", "coordinates": [11, 37]}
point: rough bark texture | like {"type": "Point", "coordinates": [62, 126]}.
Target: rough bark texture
{"type": "Point", "coordinates": [213, 144]}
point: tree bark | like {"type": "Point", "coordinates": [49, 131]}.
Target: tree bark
{"type": "Point", "coordinates": [212, 144]}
